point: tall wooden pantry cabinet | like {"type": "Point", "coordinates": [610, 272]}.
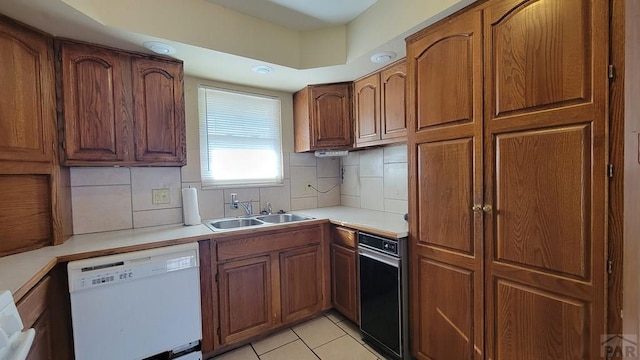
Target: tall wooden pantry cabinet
{"type": "Point", "coordinates": [35, 190]}
{"type": "Point", "coordinates": [508, 152]}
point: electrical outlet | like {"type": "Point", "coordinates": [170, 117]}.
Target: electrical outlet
{"type": "Point", "coordinates": [308, 189]}
{"type": "Point", "coordinates": [161, 196]}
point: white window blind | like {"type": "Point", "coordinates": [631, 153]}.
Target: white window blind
{"type": "Point", "coordinates": [240, 138]}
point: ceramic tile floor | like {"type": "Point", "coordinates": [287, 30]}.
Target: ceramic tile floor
{"type": "Point", "coordinates": [328, 337]}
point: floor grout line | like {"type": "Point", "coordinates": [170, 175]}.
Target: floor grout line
{"type": "Point", "coordinates": [254, 351]}
{"type": "Point", "coordinates": [369, 349]}
{"type": "Point", "coordinates": [278, 347]}
{"type": "Point", "coordinates": [310, 348]}
{"type": "Point", "coordinates": [329, 342]}
{"type": "Point", "coordinates": [301, 339]}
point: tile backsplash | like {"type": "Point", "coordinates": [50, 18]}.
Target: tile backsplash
{"type": "Point", "coordinates": [114, 198]}
{"type": "Point", "coordinates": [376, 179]}
{"type": "Point", "coordinates": [117, 198]}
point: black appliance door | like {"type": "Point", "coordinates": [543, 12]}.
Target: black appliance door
{"type": "Point", "coordinates": [380, 298]}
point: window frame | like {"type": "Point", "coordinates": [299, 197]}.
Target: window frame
{"type": "Point", "coordinates": [204, 146]}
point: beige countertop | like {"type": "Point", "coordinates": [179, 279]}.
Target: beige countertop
{"type": "Point", "coordinates": [378, 222]}
{"type": "Point", "coordinates": [20, 272]}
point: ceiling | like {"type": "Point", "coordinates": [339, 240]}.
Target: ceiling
{"type": "Point", "coordinates": [304, 41]}
{"type": "Point", "coordinates": [300, 14]}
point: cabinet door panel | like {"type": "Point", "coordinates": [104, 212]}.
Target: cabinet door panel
{"type": "Point", "coordinates": [392, 82]}
{"type": "Point", "coordinates": [301, 290]}
{"type": "Point", "coordinates": [42, 347]}
{"type": "Point", "coordinates": [445, 82]}
{"type": "Point", "coordinates": [331, 120]}
{"type": "Point", "coordinates": [447, 188]}
{"type": "Point", "coordinates": [27, 104]}
{"type": "Point", "coordinates": [25, 216]}
{"type": "Point", "coordinates": [446, 324]}
{"type": "Point", "coordinates": [540, 60]}
{"type": "Point", "coordinates": [537, 210]}
{"type": "Point", "coordinates": [97, 122]}
{"type": "Point", "coordinates": [545, 159]}
{"type": "Point", "coordinates": [245, 298]}
{"type": "Point", "coordinates": [367, 109]}
{"type": "Point", "coordinates": [445, 157]}
{"type": "Point", "coordinates": [159, 111]}
{"type": "Point", "coordinates": [525, 316]}
{"type": "Point", "coordinates": [47, 309]}
{"type": "Point", "coordinates": [344, 287]}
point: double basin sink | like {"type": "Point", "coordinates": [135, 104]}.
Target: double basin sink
{"type": "Point", "coordinates": [236, 223]}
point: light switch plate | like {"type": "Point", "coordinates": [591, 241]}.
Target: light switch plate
{"type": "Point", "coordinates": [161, 196]}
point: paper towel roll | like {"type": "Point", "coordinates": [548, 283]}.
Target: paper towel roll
{"type": "Point", "coordinates": [190, 206]}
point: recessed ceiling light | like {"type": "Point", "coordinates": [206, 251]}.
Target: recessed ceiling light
{"type": "Point", "coordinates": [262, 69]}
{"type": "Point", "coordinates": [383, 57]}
{"type": "Point", "coordinates": [159, 48]}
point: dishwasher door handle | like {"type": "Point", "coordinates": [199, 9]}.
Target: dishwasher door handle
{"type": "Point", "coordinates": [378, 256]}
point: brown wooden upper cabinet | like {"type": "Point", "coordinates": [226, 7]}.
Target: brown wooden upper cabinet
{"type": "Point", "coordinates": [27, 94]}
{"type": "Point", "coordinates": [322, 117]}
{"type": "Point", "coordinates": [158, 111]}
{"type": "Point", "coordinates": [36, 194]}
{"type": "Point", "coordinates": [379, 106]}
{"type": "Point", "coordinates": [120, 108]}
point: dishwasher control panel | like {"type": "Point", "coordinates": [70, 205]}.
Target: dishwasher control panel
{"type": "Point", "coordinates": [90, 274]}
{"type": "Point", "coordinates": [100, 277]}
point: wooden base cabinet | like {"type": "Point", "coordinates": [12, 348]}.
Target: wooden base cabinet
{"type": "Point", "coordinates": [47, 309]}
{"type": "Point", "coordinates": [344, 286]}
{"type": "Point", "coordinates": [344, 272]}
{"type": "Point", "coordinates": [266, 281]}
{"type": "Point", "coordinates": [300, 283]}
{"type": "Point", "coordinates": [507, 156]}
{"type": "Point", "coordinates": [245, 290]}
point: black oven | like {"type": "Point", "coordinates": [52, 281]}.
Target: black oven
{"type": "Point", "coordinates": [383, 294]}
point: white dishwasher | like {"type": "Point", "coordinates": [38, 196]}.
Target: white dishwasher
{"type": "Point", "coordinates": [138, 305]}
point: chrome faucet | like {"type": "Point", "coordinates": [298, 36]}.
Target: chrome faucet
{"type": "Point", "coordinates": [268, 208]}
{"type": "Point", "coordinates": [246, 205]}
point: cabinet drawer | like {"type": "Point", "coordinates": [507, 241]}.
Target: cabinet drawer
{"type": "Point", "coordinates": [344, 236]}
{"type": "Point", "coordinates": [267, 242]}
{"type": "Point", "coordinates": [35, 302]}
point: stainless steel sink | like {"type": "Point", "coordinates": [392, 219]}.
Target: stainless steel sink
{"type": "Point", "coordinates": [254, 221]}
{"type": "Point", "coordinates": [234, 223]}
{"type": "Point", "coordinates": [282, 218]}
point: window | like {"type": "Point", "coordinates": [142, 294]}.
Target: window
{"type": "Point", "coordinates": [240, 138]}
